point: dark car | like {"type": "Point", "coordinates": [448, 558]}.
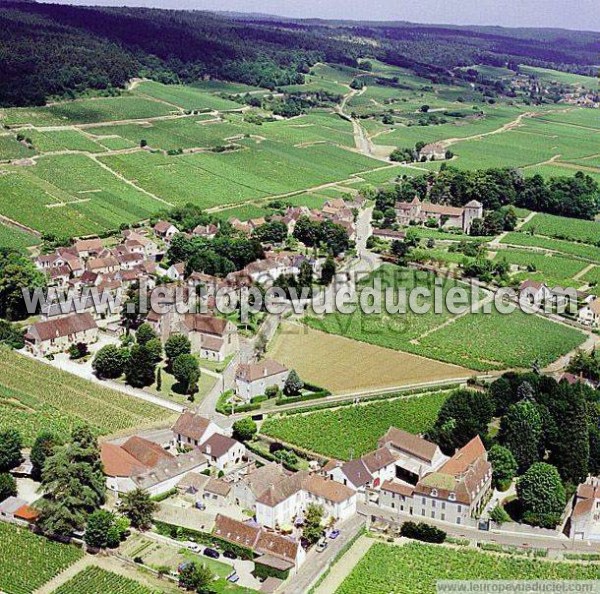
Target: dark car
{"type": "Point", "coordinates": [211, 553]}
{"type": "Point", "coordinates": [229, 555]}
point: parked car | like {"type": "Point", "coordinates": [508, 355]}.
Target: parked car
{"type": "Point", "coordinates": [334, 534]}
{"type": "Point", "coordinates": [233, 578]}
{"type": "Point", "coordinates": [321, 545]}
{"type": "Point", "coordinates": [193, 546]}
{"type": "Point", "coordinates": [229, 555]}
{"type": "Point", "coordinates": [208, 552]}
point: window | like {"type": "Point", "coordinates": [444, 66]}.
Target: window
{"type": "Point", "coordinates": [459, 508]}
{"type": "Point", "coordinates": [433, 514]}
{"type": "Point", "coordinates": [433, 503]}
{"type": "Point", "coordinates": [443, 517]}
{"type": "Point", "coordinates": [423, 500]}
{"type": "Point", "coordinates": [458, 520]}
{"type": "Point", "coordinates": [452, 497]}
{"type": "Point", "coordinates": [443, 505]}
{"type": "Point", "coordinates": [434, 493]}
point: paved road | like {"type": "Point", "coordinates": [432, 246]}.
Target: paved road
{"type": "Point", "coordinates": [316, 563]}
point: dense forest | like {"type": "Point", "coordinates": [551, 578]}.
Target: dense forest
{"type": "Point", "coordinates": [51, 50]}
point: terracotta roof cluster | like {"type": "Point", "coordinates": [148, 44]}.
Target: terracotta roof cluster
{"type": "Point", "coordinates": [135, 456]}
{"type": "Point", "coordinates": [205, 324]}
{"type": "Point", "coordinates": [169, 469]}
{"type": "Point", "coordinates": [259, 480]}
{"type": "Point", "coordinates": [254, 537]}
{"type": "Point", "coordinates": [251, 372]}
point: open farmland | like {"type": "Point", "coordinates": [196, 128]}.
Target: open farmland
{"type": "Point", "coordinates": [95, 580]}
{"type": "Point", "coordinates": [86, 111]}
{"type": "Point", "coordinates": [10, 148]}
{"type": "Point", "coordinates": [495, 341]}
{"type": "Point", "coordinates": [579, 250]}
{"type": "Point", "coordinates": [552, 269]}
{"type": "Point", "coordinates": [564, 228]}
{"type": "Point", "coordinates": [351, 431]}
{"type": "Point", "coordinates": [36, 397]}
{"type": "Point", "coordinates": [28, 561]}
{"type": "Point", "coordinates": [415, 568]}
{"type": "Point", "coordinates": [358, 366]}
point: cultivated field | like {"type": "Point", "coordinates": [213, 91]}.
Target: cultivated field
{"type": "Point", "coordinates": [495, 341]}
{"type": "Point", "coordinates": [580, 250]}
{"type": "Point", "coordinates": [36, 397]}
{"type": "Point", "coordinates": [564, 228]}
{"type": "Point", "coordinates": [415, 568]}
{"type": "Point", "coordinates": [95, 580]}
{"type": "Point", "coordinates": [358, 366]}
{"type": "Point", "coordinates": [11, 237]}
{"type": "Point", "coordinates": [28, 561]}
{"type": "Point", "coordinates": [351, 431]}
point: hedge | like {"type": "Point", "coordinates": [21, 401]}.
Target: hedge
{"type": "Point", "coordinates": [182, 533]}
{"type": "Point", "coordinates": [422, 531]}
{"type": "Point", "coordinates": [262, 572]}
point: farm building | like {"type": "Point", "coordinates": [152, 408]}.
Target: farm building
{"type": "Point", "coordinates": [57, 335]}
{"type": "Point", "coordinates": [252, 379]}
{"type": "Point", "coordinates": [444, 216]}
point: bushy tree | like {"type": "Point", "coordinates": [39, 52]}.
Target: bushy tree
{"type": "Point", "coordinates": [244, 429]}
{"type": "Point", "coordinates": [542, 495]}
{"type": "Point", "coordinates": [145, 333]}
{"type": "Point", "coordinates": [504, 466]}
{"type": "Point", "coordinates": [43, 447]}
{"type": "Point", "coordinates": [73, 483]}
{"type": "Point", "coordinates": [328, 270]}
{"type": "Point", "coordinates": [109, 362]}
{"type": "Point", "coordinates": [177, 344]}
{"type": "Point", "coordinates": [139, 508]}
{"type": "Point", "coordinates": [193, 576]}
{"type": "Point", "coordinates": [97, 528]}
{"type": "Point", "coordinates": [140, 369]}
{"type": "Point", "coordinates": [11, 444]}
{"type": "Point", "coordinates": [187, 372]}
{"type": "Point", "coordinates": [521, 433]}
{"type": "Point", "coordinates": [465, 414]}
{"type": "Point", "coordinates": [8, 486]}
{"type": "Point", "coordinates": [313, 530]}
{"type": "Point", "coordinates": [155, 348]}
{"type": "Point", "coordinates": [293, 384]}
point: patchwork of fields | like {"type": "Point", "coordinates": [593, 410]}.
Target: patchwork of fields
{"type": "Point", "coordinates": [417, 567]}
{"type": "Point", "coordinates": [495, 341]}
{"type": "Point", "coordinates": [351, 431]}
{"type": "Point", "coordinates": [94, 580]}
{"type": "Point", "coordinates": [36, 397]}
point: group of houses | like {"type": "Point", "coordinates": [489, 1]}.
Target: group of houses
{"type": "Point", "coordinates": [420, 212]}
{"type": "Point", "coordinates": [410, 475]}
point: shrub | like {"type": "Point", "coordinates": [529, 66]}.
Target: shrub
{"type": "Point", "coordinates": [422, 531]}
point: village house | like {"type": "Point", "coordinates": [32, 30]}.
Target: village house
{"type": "Point", "coordinates": [252, 379]}
{"type": "Point", "coordinates": [103, 265]}
{"type": "Point", "coordinates": [388, 234]}
{"type": "Point", "coordinates": [367, 472]}
{"type": "Point", "coordinates": [165, 230]}
{"type": "Point", "coordinates": [222, 452]}
{"type": "Point", "coordinates": [87, 248]}
{"type": "Point", "coordinates": [191, 430]}
{"type": "Point", "coordinates": [458, 490]}
{"type": "Point", "coordinates": [15, 509]}
{"type": "Point", "coordinates": [589, 315]}
{"type": "Point", "coordinates": [282, 553]}
{"type": "Point", "coordinates": [535, 292]}
{"type": "Point", "coordinates": [176, 272]}
{"type": "Point", "coordinates": [585, 517]}
{"type": "Point", "coordinates": [211, 337]}
{"type": "Point", "coordinates": [433, 152]}
{"type": "Point", "coordinates": [397, 496]}
{"type": "Point", "coordinates": [57, 335]}
{"type": "Point", "coordinates": [58, 275]}
{"type": "Point", "coordinates": [248, 489]}
{"type": "Point", "coordinates": [206, 231]}
{"type": "Point", "coordinates": [444, 216]}
{"type": "Point", "coordinates": [286, 500]}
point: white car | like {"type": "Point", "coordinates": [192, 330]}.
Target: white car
{"type": "Point", "coordinates": [321, 545]}
{"type": "Point", "coordinates": [193, 546]}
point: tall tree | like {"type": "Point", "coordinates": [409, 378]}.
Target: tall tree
{"type": "Point", "coordinates": [11, 444]}
{"type": "Point", "coordinates": [139, 508]}
{"type": "Point", "coordinates": [140, 370]}
{"type": "Point", "coordinates": [504, 466]}
{"type": "Point", "coordinates": [542, 495]}
{"type": "Point", "coordinates": [521, 433]}
{"type": "Point", "coordinates": [43, 448]}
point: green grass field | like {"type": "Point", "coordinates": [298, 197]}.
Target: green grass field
{"type": "Point", "coordinates": [11, 149]}
{"type": "Point", "coordinates": [352, 431]}
{"type": "Point", "coordinates": [28, 561]}
{"type": "Point", "coordinates": [35, 396]}
{"type": "Point", "coordinates": [415, 568]}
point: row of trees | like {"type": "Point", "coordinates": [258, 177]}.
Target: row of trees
{"type": "Point", "coordinates": [549, 435]}
{"type": "Point", "coordinates": [575, 196]}
{"type": "Point", "coordinates": [139, 362]}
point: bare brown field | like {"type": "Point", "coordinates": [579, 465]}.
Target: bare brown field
{"type": "Point", "coordinates": [344, 365]}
